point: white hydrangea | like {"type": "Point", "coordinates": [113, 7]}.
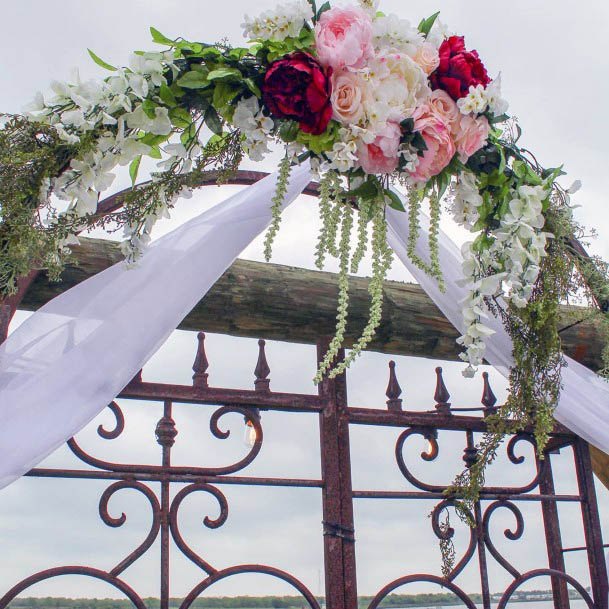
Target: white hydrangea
{"type": "Point", "coordinates": [343, 155]}
{"type": "Point", "coordinates": [285, 21]}
{"type": "Point", "coordinates": [390, 33]}
{"type": "Point", "coordinates": [255, 127]}
{"type": "Point", "coordinates": [479, 98]}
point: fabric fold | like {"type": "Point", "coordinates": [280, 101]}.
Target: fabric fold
{"type": "Point", "coordinates": [584, 400]}
{"type": "Point", "coordinates": [71, 358]}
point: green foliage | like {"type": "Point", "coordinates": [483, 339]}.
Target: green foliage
{"type": "Point", "coordinates": [426, 24]}
{"type": "Point", "coordinates": [281, 190]}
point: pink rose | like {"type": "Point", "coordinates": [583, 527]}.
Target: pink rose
{"type": "Point", "coordinates": [440, 146]}
{"type": "Point", "coordinates": [381, 156]}
{"type": "Point", "coordinates": [471, 136]}
{"type": "Point", "coordinates": [348, 90]}
{"type": "Point", "coordinates": [442, 105]}
{"type": "Point", "coordinates": [427, 57]}
{"type": "Point", "coordinates": [343, 38]}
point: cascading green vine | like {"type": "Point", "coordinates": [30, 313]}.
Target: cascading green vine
{"type": "Point", "coordinates": [343, 294]}
{"type": "Point", "coordinates": [281, 190]}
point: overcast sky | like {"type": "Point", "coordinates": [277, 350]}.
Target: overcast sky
{"type": "Point", "coordinates": [554, 67]}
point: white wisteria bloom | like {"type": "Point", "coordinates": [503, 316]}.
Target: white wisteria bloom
{"type": "Point", "coordinates": [255, 127]}
{"type": "Point", "coordinates": [390, 33]}
{"type": "Point", "coordinates": [496, 104]}
{"type": "Point", "coordinates": [466, 201]}
{"type": "Point", "coordinates": [286, 21]}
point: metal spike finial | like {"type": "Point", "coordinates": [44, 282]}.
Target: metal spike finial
{"type": "Point", "coordinates": [393, 390]}
{"type": "Point", "coordinates": [488, 397]}
{"type": "Point", "coordinates": [200, 376]}
{"type": "Point", "coordinates": [441, 396]}
{"type": "Point", "coordinates": [262, 370]}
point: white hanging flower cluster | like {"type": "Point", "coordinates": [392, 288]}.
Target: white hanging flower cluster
{"type": "Point", "coordinates": [286, 21]}
{"type": "Point", "coordinates": [81, 107]}
{"type": "Point", "coordinates": [513, 259]}
{"type": "Point", "coordinates": [255, 127]}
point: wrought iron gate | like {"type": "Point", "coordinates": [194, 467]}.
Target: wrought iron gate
{"type": "Point", "coordinates": [336, 417]}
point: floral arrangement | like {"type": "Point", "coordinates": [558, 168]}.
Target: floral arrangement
{"type": "Point", "coordinates": [372, 102]}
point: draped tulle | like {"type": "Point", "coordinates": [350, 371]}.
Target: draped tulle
{"type": "Point", "coordinates": [64, 364]}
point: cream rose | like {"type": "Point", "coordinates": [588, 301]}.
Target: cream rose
{"type": "Point", "coordinates": [348, 91]}
{"type": "Point", "coordinates": [427, 57]}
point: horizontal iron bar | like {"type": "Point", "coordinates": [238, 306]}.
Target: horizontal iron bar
{"type": "Point", "coordinates": [270, 400]}
{"type": "Point", "coordinates": [177, 478]}
{"type": "Point", "coordinates": [483, 496]}
{"type": "Point", "coordinates": [581, 548]}
{"type": "Point", "coordinates": [432, 419]}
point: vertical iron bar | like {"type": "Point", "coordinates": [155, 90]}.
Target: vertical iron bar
{"type": "Point", "coordinates": [339, 541]}
{"type": "Point", "coordinates": [592, 525]}
{"type": "Point", "coordinates": [551, 525]}
{"type": "Point", "coordinates": [470, 452]}
{"type": "Point", "coordinates": [165, 435]}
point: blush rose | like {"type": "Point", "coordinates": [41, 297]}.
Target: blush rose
{"type": "Point", "coordinates": [440, 146]}
{"type": "Point", "coordinates": [471, 136]}
{"type": "Point", "coordinates": [348, 92]}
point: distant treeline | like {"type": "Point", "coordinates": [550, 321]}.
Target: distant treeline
{"type": "Point", "coordinates": [230, 602]}
{"type": "Point", "coordinates": [253, 602]}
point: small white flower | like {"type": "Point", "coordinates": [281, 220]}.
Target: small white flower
{"type": "Point", "coordinates": [496, 104]}
{"type": "Point", "coordinates": [285, 21]}
{"type": "Point", "coordinates": [474, 102]}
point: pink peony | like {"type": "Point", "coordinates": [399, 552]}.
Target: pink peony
{"type": "Point", "coordinates": [343, 38]}
{"type": "Point", "coordinates": [348, 91]}
{"type": "Point", "coordinates": [381, 156]}
{"type": "Point", "coordinates": [440, 145]}
{"type": "Point", "coordinates": [471, 136]}
{"type": "Point", "coordinates": [443, 107]}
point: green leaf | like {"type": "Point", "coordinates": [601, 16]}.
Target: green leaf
{"type": "Point", "coordinates": [167, 96]}
{"type": "Point", "coordinates": [213, 120]}
{"type": "Point", "coordinates": [426, 24]}
{"type": "Point", "coordinates": [232, 74]}
{"type": "Point", "coordinates": [150, 139]}
{"type": "Point", "coordinates": [499, 119]}
{"type": "Point", "coordinates": [134, 167]}
{"type": "Point", "coordinates": [161, 38]}
{"type": "Point", "coordinates": [313, 7]}
{"type": "Point", "coordinates": [155, 152]}
{"type": "Point", "coordinates": [253, 87]}
{"type": "Point", "coordinates": [322, 9]}
{"type": "Point", "coordinates": [193, 80]}
{"type": "Point", "coordinates": [188, 135]}
{"type": "Point", "coordinates": [224, 93]}
{"type": "Point", "coordinates": [288, 131]}
{"type": "Point", "coordinates": [180, 117]}
{"type": "Point", "coordinates": [393, 200]}
{"type": "Point", "coordinates": [149, 108]}
{"type": "Point", "coordinates": [368, 190]}
{"type": "Point", "coordinates": [238, 53]}
{"type": "Point", "coordinates": [101, 62]}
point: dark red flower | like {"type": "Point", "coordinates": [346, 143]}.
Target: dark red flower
{"type": "Point", "coordinates": [459, 69]}
{"type": "Point", "coordinates": [298, 87]}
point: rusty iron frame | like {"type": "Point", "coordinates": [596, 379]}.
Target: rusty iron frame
{"type": "Point", "coordinates": [330, 405]}
{"type": "Point", "coordinates": [336, 417]}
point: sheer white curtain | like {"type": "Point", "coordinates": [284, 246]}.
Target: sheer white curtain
{"type": "Point", "coordinates": [584, 401]}
{"type": "Point", "coordinates": [62, 366]}
{"type": "Point", "coordinates": [65, 363]}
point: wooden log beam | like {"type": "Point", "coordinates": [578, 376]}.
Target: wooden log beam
{"type": "Point", "coordinates": [253, 299]}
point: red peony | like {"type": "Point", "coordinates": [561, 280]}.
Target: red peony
{"type": "Point", "coordinates": [459, 69]}
{"type": "Point", "coordinates": [297, 87]}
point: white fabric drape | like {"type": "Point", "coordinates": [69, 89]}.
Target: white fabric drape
{"type": "Point", "coordinates": [584, 400]}
{"type": "Point", "coordinates": [65, 363]}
